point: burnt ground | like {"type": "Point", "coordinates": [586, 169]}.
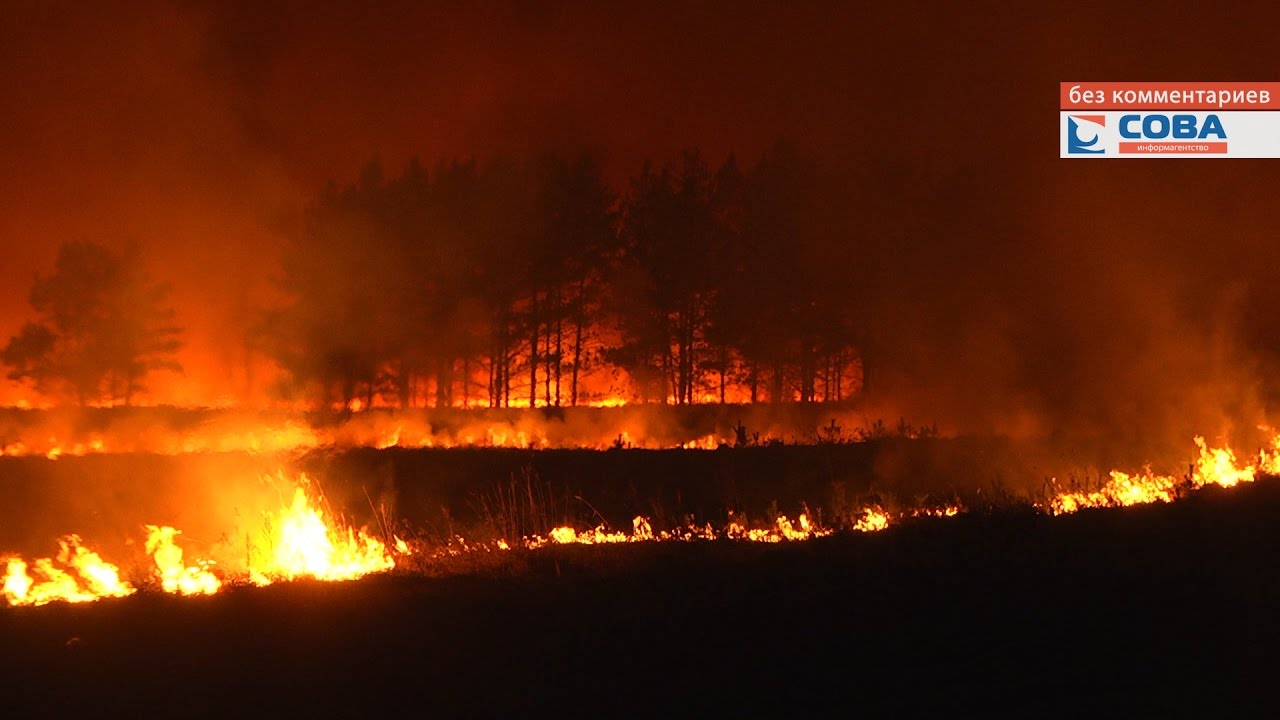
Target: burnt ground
{"type": "Point", "coordinates": [1155, 611]}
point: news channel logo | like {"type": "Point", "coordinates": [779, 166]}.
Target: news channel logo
{"type": "Point", "coordinates": [1084, 134]}
{"type": "Point", "coordinates": [1147, 132]}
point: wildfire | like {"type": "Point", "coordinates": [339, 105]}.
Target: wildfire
{"type": "Point", "coordinates": [285, 435]}
{"type": "Point", "coordinates": [1214, 466]}
{"type": "Point", "coordinates": [175, 577]}
{"type": "Point", "coordinates": [874, 519]}
{"type": "Point", "coordinates": [783, 529]}
{"type": "Point", "coordinates": [266, 439]}
{"type": "Point", "coordinates": [300, 541]}
{"type": "Point", "coordinates": [707, 442]}
{"type": "Point", "coordinates": [77, 574]}
{"type": "Point", "coordinates": [945, 511]}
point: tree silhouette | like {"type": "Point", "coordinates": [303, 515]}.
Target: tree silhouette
{"type": "Point", "coordinates": [336, 337]}
{"type": "Point", "coordinates": [575, 209]}
{"type": "Point", "coordinates": [517, 279]}
{"type": "Point", "coordinates": [104, 326]}
{"type": "Point", "coordinates": [667, 277]}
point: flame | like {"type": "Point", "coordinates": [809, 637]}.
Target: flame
{"type": "Point", "coordinates": [944, 511]}
{"type": "Point", "coordinates": [219, 432]}
{"type": "Point", "coordinates": [783, 529]}
{"type": "Point", "coordinates": [300, 541]}
{"type": "Point", "coordinates": [874, 519]}
{"type": "Point", "coordinates": [607, 402]}
{"type": "Point", "coordinates": [78, 575]}
{"type": "Point", "coordinates": [706, 442]}
{"type": "Point", "coordinates": [1214, 466]}
{"type": "Point", "coordinates": [641, 530]}
{"type": "Point", "coordinates": [175, 577]}
{"type": "Point", "coordinates": [567, 535]}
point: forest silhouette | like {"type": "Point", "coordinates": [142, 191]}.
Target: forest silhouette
{"type": "Point", "coordinates": [506, 283]}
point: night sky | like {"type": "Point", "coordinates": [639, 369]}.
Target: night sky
{"type": "Point", "coordinates": [1021, 291]}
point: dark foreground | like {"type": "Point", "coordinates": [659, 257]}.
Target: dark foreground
{"type": "Point", "coordinates": [1157, 610]}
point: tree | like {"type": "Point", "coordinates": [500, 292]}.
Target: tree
{"type": "Point", "coordinates": [346, 277]}
{"type": "Point", "coordinates": [104, 326]}
{"type": "Point", "coordinates": [576, 226]}
{"type": "Point", "coordinates": [667, 279]}
{"type": "Point", "coordinates": [695, 283]}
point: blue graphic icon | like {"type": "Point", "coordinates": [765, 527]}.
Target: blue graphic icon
{"type": "Point", "coordinates": [1078, 146]}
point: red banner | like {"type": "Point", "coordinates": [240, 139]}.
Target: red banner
{"type": "Point", "coordinates": [1169, 96]}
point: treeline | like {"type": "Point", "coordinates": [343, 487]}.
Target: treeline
{"type": "Point", "coordinates": [536, 283]}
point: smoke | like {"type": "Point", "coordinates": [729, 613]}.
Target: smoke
{"type": "Point", "coordinates": [119, 131]}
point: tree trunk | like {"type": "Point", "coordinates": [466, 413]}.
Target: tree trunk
{"type": "Point", "coordinates": [724, 367]}
{"type": "Point", "coordinates": [775, 391]}
{"type": "Point", "coordinates": [534, 332]}
{"type": "Point", "coordinates": [839, 361]}
{"type": "Point", "coordinates": [808, 369]}
{"type": "Point", "coordinates": [547, 359]}
{"type": "Point", "coordinates": [493, 367]}
{"type": "Point", "coordinates": [466, 380]}
{"type": "Point", "coordinates": [559, 354]}
{"type": "Point", "coordinates": [579, 320]}
{"type": "Point", "coordinates": [669, 373]}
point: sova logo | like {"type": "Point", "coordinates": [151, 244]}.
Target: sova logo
{"type": "Point", "coordinates": [1088, 145]}
{"type": "Point", "coordinates": [1179, 127]}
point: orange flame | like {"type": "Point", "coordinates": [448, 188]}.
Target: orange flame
{"type": "Point", "coordinates": [1214, 466]}
{"type": "Point", "coordinates": [78, 575]}
{"type": "Point", "coordinates": [300, 541]}
{"type": "Point", "coordinates": [175, 577]}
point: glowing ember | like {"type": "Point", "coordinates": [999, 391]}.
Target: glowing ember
{"type": "Point", "coordinates": [78, 575]}
{"type": "Point", "coordinates": [945, 511]}
{"type": "Point", "coordinates": [566, 535]}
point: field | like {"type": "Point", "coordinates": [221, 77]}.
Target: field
{"type": "Point", "coordinates": [1160, 610]}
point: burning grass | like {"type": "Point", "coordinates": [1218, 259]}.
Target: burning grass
{"type": "Point", "coordinates": [302, 541]}
{"type": "Point", "coordinates": [302, 538]}
{"type": "Point", "coordinates": [1214, 466]}
{"type": "Point", "coordinates": [60, 432]}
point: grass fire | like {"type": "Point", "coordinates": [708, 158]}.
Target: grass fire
{"type": "Point", "coordinates": [301, 540]}
{"type": "Point", "coordinates": [504, 359]}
